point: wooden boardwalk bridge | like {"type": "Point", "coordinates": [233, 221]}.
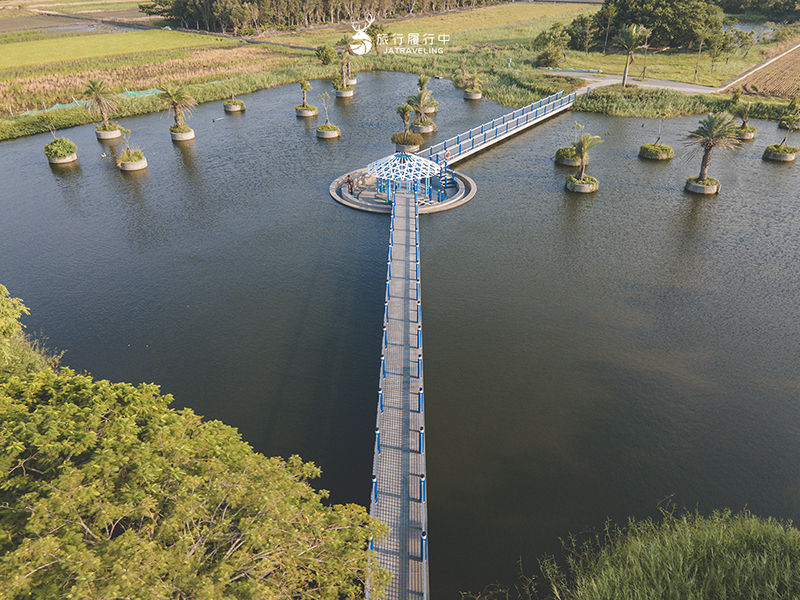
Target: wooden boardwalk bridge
{"type": "Point", "coordinates": [399, 496]}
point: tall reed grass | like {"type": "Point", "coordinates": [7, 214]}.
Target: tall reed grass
{"type": "Point", "coordinates": [641, 102]}
{"type": "Point", "coordinates": [686, 557]}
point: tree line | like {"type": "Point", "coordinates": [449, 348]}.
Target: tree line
{"type": "Point", "coordinates": [240, 16]}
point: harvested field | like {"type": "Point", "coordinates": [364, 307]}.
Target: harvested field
{"type": "Point", "coordinates": [780, 78]}
{"type": "Point", "coordinates": [64, 81]}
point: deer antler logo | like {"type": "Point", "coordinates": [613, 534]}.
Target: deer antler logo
{"type": "Point", "coordinates": [362, 43]}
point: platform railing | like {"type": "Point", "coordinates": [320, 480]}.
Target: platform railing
{"type": "Point", "coordinates": [490, 131]}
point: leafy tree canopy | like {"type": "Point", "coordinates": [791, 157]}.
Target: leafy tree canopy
{"type": "Point", "coordinates": [672, 22]}
{"type": "Point", "coordinates": [11, 309]}
{"type": "Point", "coordinates": [105, 492]}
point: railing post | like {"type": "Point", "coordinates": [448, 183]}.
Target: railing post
{"type": "Point", "coordinates": [380, 398]}
{"type": "Point", "coordinates": [419, 365]}
{"type": "Point", "coordinates": [383, 366]}
{"type": "Point", "coordinates": [422, 488]}
{"type": "Point", "coordinates": [419, 313]}
{"type": "Point", "coordinates": [378, 438]}
{"type": "Point", "coordinates": [386, 311]}
{"type": "Point", "coordinates": [419, 336]}
{"type": "Point", "coordinates": [389, 270]}
{"type": "Point", "coordinates": [421, 440]}
{"type": "Point", "coordinates": [375, 498]}
{"type": "Point", "coordinates": [385, 337]}
{"type": "Point", "coordinates": [421, 403]}
{"type": "Point", "coordinates": [388, 293]}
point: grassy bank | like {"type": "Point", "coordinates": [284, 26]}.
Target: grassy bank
{"type": "Point", "coordinates": [639, 102]}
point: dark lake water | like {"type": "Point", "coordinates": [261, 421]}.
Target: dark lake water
{"type": "Point", "coordinates": [587, 356]}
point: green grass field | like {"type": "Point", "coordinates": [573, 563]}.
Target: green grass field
{"type": "Point", "coordinates": [49, 51]}
{"type": "Point", "coordinates": [672, 66]}
{"type": "Point", "coordinates": [504, 24]}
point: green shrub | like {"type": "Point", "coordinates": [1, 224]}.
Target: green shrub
{"type": "Point", "coordinates": [412, 138]}
{"type": "Point", "coordinates": [338, 84]}
{"type": "Point", "coordinates": [235, 103]}
{"type": "Point", "coordinates": [305, 107]}
{"type": "Point", "coordinates": [112, 126]}
{"type": "Point", "coordinates": [182, 128]}
{"type": "Point", "coordinates": [549, 57]}
{"type": "Point", "coordinates": [748, 129]}
{"type": "Point", "coordinates": [706, 181]}
{"type": "Point", "coordinates": [130, 155]}
{"type": "Point", "coordinates": [325, 54]}
{"type": "Point", "coordinates": [566, 152]}
{"type": "Point", "coordinates": [60, 148]}
{"type": "Point", "coordinates": [790, 122]}
{"type": "Point", "coordinates": [779, 149]}
{"type": "Point", "coordinates": [586, 179]}
{"type": "Point", "coordinates": [328, 127]}
{"type": "Point", "coordinates": [656, 151]}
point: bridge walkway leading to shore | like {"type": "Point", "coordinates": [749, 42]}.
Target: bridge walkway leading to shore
{"type": "Point", "coordinates": [485, 135]}
{"type": "Point", "coordinates": [398, 483]}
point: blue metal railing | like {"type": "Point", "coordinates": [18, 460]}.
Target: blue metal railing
{"type": "Point", "coordinates": [487, 132]}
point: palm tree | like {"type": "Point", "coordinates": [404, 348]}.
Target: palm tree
{"type": "Point", "coordinates": [630, 39]}
{"type": "Point", "coordinates": [419, 103]}
{"type": "Point", "coordinates": [422, 81]}
{"type": "Point", "coordinates": [179, 101]}
{"type": "Point", "coordinates": [405, 110]}
{"type": "Point", "coordinates": [716, 131]}
{"type": "Point", "coordinates": [475, 82]}
{"type": "Point", "coordinates": [305, 87]}
{"type": "Point", "coordinates": [741, 111]}
{"type": "Point", "coordinates": [96, 93]}
{"type": "Point", "coordinates": [582, 147]}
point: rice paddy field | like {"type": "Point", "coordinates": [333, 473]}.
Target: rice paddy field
{"type": "Point", "coordinates": [780, 78]}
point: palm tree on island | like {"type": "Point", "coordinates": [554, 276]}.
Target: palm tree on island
{"type": "Point", "coordinates": [474, 86]}
{"type": "Point", "coordinates": [98, 103]}
{"type": "Point", "coordinates": [583, 182]}
{"type": "Point", "coordinates": [305, 109]}
{"type": "Point", "coordinates": [420, 103]}
{"type": "Point", "coordinates": [630, 38]}
{"type": "Point", "coordinates": [407, 140]}
{"type": "Point", "coordinates": [717, 131]}
{"type": "Point", "coordinates": [741, 110]}
{"type": "Point", "coordinates": [178, 100]}
{"type": "Point", "coordinates": [433, 105]}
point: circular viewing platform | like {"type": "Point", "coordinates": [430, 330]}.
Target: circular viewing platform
{"type": "Point", "coordinates": [366, 197]}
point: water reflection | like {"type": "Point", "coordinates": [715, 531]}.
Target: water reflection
{"type": "Point", "coordinates": [587, 356]}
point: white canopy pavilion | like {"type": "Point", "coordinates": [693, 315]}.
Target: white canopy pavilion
{"type": "Point", "coordinates": [394, 170]}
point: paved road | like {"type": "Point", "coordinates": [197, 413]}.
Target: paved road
{"type": "Point", "coordinates": [600, 79]}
